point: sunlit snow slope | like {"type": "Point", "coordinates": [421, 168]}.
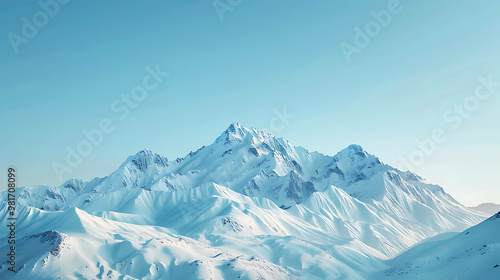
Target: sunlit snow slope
{"type": "Point", "coordinates": [249, 205]}
{"type": "Point", "coordinates": [472, 254]}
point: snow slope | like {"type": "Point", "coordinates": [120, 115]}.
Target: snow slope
{"type": "Point", "coordinates": [472, 254]}
{"type": "Point", "coordinates": [286, 211]}
{"type": "Point", "coordinates": [209, 232]}
{"type": "Point", "coordinates": [97, 248]}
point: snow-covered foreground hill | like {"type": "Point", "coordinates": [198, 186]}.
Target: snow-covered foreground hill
{"type": "Point", "coordinates": [472, 254]}
{"type": "Point", "coordinates": [248, 206]}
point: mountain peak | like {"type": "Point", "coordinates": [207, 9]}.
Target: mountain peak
{"type": "Point", "coordinates": [234, 133]}
{"type": "Point", "coordinates": [145, 157]}
{"type": "Point", "coordinates": [234, 127]}
{"type": "Point", "coordinates": [355, 147]}
{"type": "Point", "coordinates": [144, 153]}
{"type": "Point", "coordinates": [353, 151]}
{"type": "Point", "coordinates": [355, 155]}
{"type": "Point", "coordinates": [237, 130]}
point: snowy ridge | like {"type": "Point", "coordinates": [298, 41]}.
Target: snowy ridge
{"type": "Point", "coordinates": [487, 208]}
{"type": "Point", "coordinates": [286, 211]}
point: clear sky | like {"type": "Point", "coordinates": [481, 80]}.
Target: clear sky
{"type": "Point", "coordinates": [346, 78]}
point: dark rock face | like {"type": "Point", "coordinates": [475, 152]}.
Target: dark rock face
{"type": "Point", "coordinates": [161, 161]}
{"type": "Point", "coordinates": [496, 216]}
{"type": "Point", "coordinates": [298, 189]}
{"type": "Point", "coordinates": [142, 161]}
{"type": "Point", "coordinates": [55, 238]}
{"type": "Point", "coordinates": [253, 151]}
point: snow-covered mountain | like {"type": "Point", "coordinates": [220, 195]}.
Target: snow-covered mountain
{"type": "Point", "coordinates": [487, 208]}
{"type": "Point", "coordinates": [248, 205]}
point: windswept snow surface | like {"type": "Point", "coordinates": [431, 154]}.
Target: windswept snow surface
{"type": "Point", "coordinates": [248, 206]}
{"type": "Point", "coordinates": [472, 254]}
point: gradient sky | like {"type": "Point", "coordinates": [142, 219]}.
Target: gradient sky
{"type": "Point", "coordinates": [261, 57]}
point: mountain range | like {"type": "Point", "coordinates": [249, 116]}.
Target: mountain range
{"type": "Point", "coordinates": [249, 206]}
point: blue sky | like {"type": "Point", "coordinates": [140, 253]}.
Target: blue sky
{"type": "Point", "coordinates": [256, 59]}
